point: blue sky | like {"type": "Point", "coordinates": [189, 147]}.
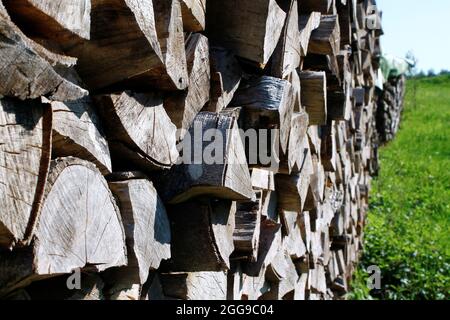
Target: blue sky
{"type": "Point", "coordinates": [422, 26]}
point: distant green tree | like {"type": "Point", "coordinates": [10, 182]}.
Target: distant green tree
{"type": "Point", "coordinates": [431, 73]}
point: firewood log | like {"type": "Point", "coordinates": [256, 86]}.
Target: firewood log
{"type": "Point", "coordinates": [307, 24]}
{"type": "Point", "coordinates": [77, 132]}
{"type": "Point", "coordinates": [294, 160]}
{"type": "Point", "coordinates": [25, 147]}
{"type": "Point", "coordinates": [326, 38]}
{"type": "Point", "coordinates": [223, 173]}
{"type": "Point", "coordinates": [314, 96]}
{"type": "Point", "coordinates": [193, 15]}
{"type": "Point", "coordinates": [79, 227]}
{"type": "Point", "coordinates": [202, 235]}
{"type": "Point", "coordinates": [292, 241]}
{"type": "Point", "coordinates": [139, 129]}
{"type": "Point", "coordinates": [195, 285]}
{"type": "Point", "coordinates": [91, 288]}
{"type": "Point", "coordinates": [147, 231]}
{"type": "Point", "coordinates": [257, 38]}
{"type": "Point", "coordinates": [322, 6]}
{"type": "Point", "coordinates": [47, 18]}
{"type": "Point", "coordinates": [270, 242]}
{"type": "Point", "coordinates": [182, 107]}
{"type": "Point", "coordinates": [25, 73]}
{"type": "Point", "coordinates": [226, 77]}
{"type": "Point", "coordinates": [287, 55]}
{"type": "Point", "coordinates": [147, 34]}
{"type": "Point", "coordinates": [292, 191]}
{"type": "Point", "coordinates": [247, 228]}
{"type": "Point", "coordinates": [268, 103]}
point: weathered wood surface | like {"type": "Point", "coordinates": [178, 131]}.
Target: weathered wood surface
{"type": "Point", "coordinates": [195, 285]}
{"type": "Point", "coordinates": [48, 18]}
{"type": "Point", "coordinates": [183, 107]}
{"type": "Point", "coordinates": [25, 73]}
{"type": "Point", "coordinates": [226, 77]}
{"type": "Point", "coordinates": [267, 103]}
{"type": "Point", "coordinates": [326, 38]}
{"type": "Point", "coordinates": [25, 147]}
{"type": "Point", "coordinates": [246, 232]}
{"type": "Point", "coordinates": [148, 35]}
{"type": "Point", "coordinates": [77, 132]}
{"type": "Point", "coordinates": [255, 40]}
{"type": "Point", "coordinates": [217, 168]}
{"type": "Point", "coordinates": [194, 15]}
{"type": "Point", "coordinates": [146, 224]}
{"type": "Point", "coordinates": [139, 129]}
{"type": "Point", "coordinates": [202, 236]}
{"type": "Point", "coordinates": [314, 96]}
{"type": "Point", "coordinates": [79, 227]}
{"type": "Point", "coordinates": [287, 55]}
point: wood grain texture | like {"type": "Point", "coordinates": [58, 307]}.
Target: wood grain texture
{"type": "Point", "coordinates": [287, 55]}
{"type": "Point", "coordinates": [183, 107]}
{"type": "Point", "coordinates": [314, 96]}
{"type": "Point", "coordinates": [139, 129]}
{"type": "Point", "coordinates": [267, 103]}
{"type": "Point", "coordinates": [147, 34]}
{"type": "Point", "coordinates": [194, 15]}
{"type": "Point", "coordinates": [257, 38]}
{"type": "Point", "coordinates": [53, 19]}
{"type": "Point", "coordinates": [225, 175]}
{"type": "Point", "coordinates": [25, 147]}
{"type": "Point", "coordinates": [77, 132]}
{"type": "Point", "coordinates": [25, 74]}
{"type": "Point", "coordinates": [326, 38]}
{"type": "Point", "coordinates": [195, 285]}
{"type": "Point", "coordinates": [79, 227]}
{"type": "Point", "coordinates": [147, 227]}
{"type": "Point", "coordinates": [226, 74]}
{"type": "Point", "coordinates": [202, 235]}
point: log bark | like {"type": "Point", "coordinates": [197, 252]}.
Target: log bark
{"type": "Point", "coordinates": [257, 38]}
{"type": "Point", "coordinates": [25, 147]}
{"type": "Point", "coordinates": [183, 107]}
{"type": "Point", "coordinates": [223, 173]}
{"type": "Point", "coordinates": [79, 227]}
{"type": "Point", "coordinates": [202, 235]}
{"type": "Point", "coordinates": [139, 129]}
{"type": "Point", "coordinates": [146, 35]}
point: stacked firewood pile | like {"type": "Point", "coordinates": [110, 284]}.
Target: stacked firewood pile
{"type": "Point", "coordinates": [390, 107]}
{"type": "Point", "coordinates": [108, 108]}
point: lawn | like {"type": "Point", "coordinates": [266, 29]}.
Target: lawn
{"type": "Point", "coordinates": [408, 233]}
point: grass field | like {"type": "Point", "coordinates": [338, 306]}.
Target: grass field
{"type": "Point", "coordinates": [408, 235]}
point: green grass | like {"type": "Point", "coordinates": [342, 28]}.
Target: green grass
{"type": "Point", "coordinates": [408, 234]}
